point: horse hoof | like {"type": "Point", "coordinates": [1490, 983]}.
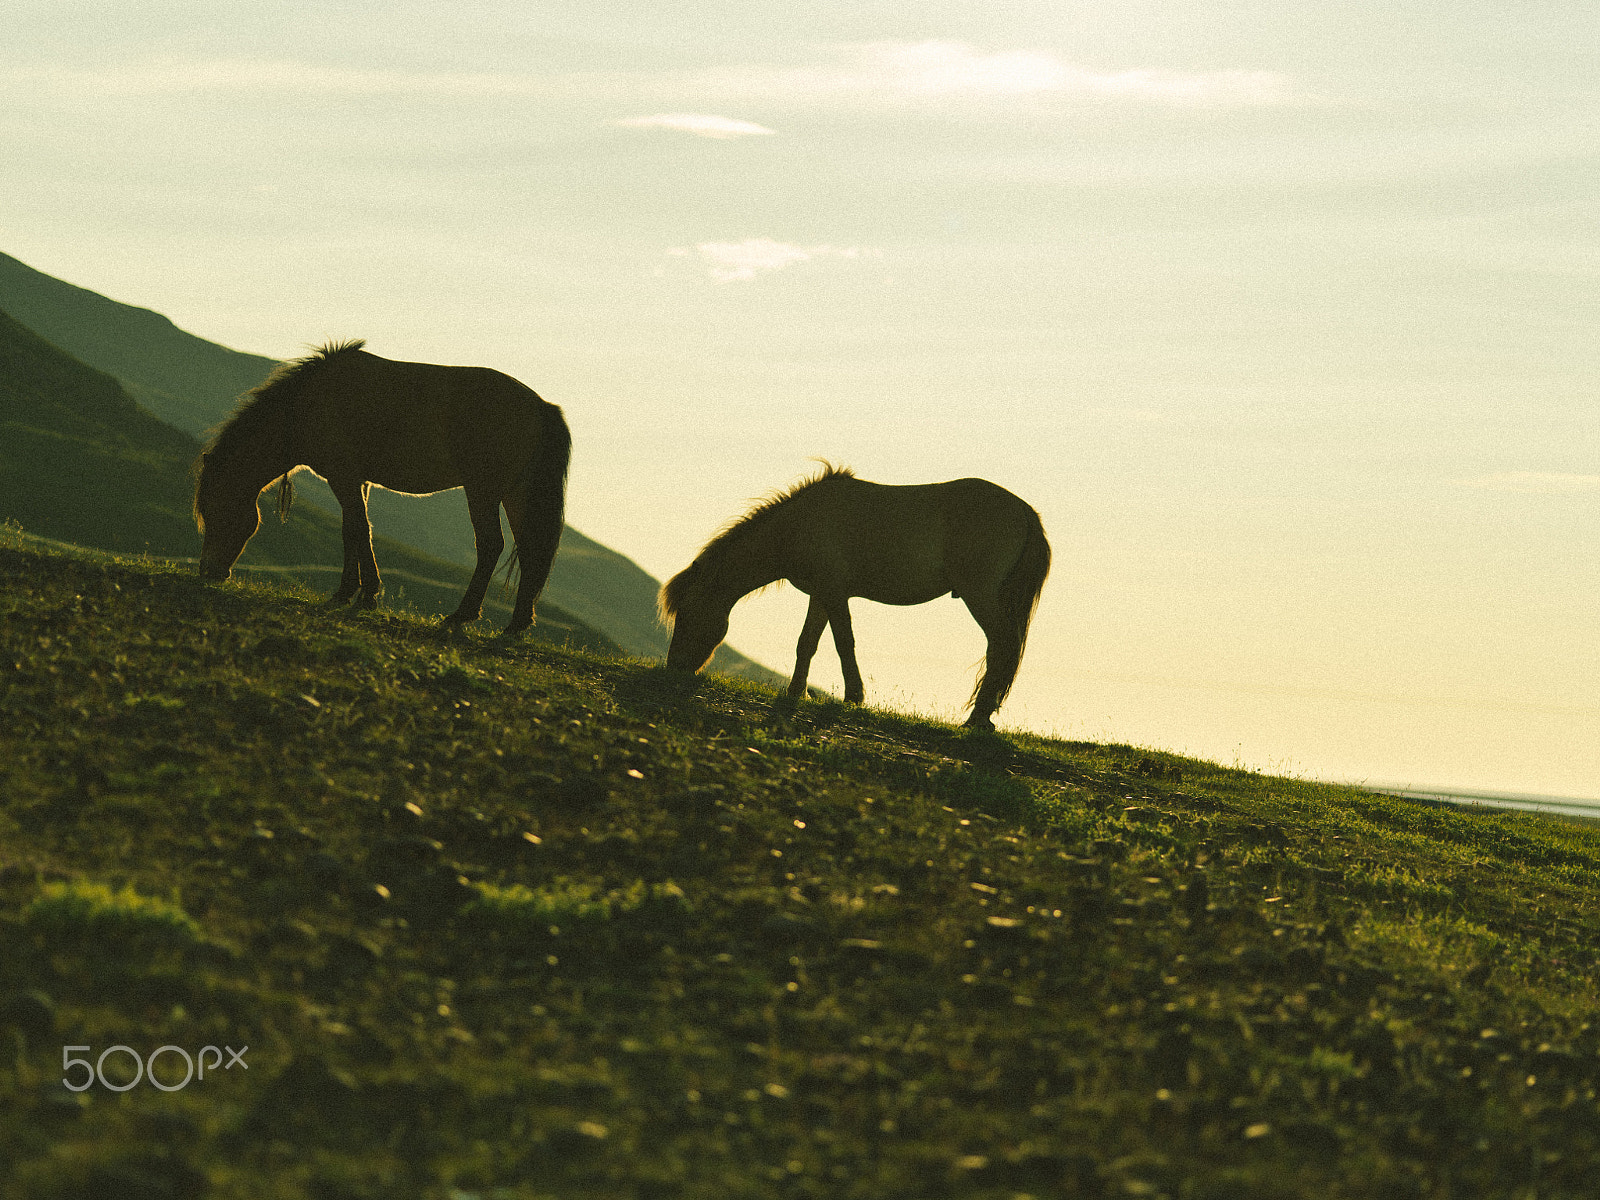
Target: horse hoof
{"type": "Point", "coordinates": [679, 681]}
{"type": "Point", "coordinates": [983, 723]}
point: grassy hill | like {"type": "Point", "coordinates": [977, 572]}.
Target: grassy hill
{"type": "Point", "coordinates": [82, 462]}
{"type": "Point", "coordinates": [511, 921]}
{"type": "Point", "coordinates": [192, 384]}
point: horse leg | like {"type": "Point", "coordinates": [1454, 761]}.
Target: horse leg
{"type": "Point", "coordinates": [360, 567]}
{"type": "Point", "coordinates": [810, 635]}
{"type": "Point", "coordinates": [349, 581]}
{"type": "Point", "coordinates": [999, 662]}
{"type": "Point", "coordinates": [371, 583]}
{"type": "Point", "coordinates": [522, 609]}
{"type": "Point", "coordinates": [844, 641]}
{"type": "Point", "coordinates": [485, 512]}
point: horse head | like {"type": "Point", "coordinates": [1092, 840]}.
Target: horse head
{"type": "Point", "coordinates": [699, 621]}
{"type": "Point", "coordinates": [227, 517]}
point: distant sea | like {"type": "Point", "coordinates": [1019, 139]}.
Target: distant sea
{"type": "Point", "coordinates": [1564, 806]}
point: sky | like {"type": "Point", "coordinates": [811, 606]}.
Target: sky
{"type": "Point", "coordinates": [1282, 314]}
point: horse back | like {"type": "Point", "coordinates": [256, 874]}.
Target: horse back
{"type": "Point", "coordinates": [422, 427]}
{"type": "Point", "coordinates": [907, 544]}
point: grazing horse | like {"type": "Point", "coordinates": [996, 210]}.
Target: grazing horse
{"type": "Point", "coordinates": [835, 536]}
{"type": "Point", "coordinates": [356, 419]}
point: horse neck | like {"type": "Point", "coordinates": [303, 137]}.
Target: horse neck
{"type": "Point", "coordinates": [261, 452]}
{"type": "Point", "coordinates": [750, 560]}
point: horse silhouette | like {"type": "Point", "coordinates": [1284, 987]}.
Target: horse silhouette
{"type": "Point", "coordinates": [834, 537]}
{"type": "Point", "coordinates": [357, 419]}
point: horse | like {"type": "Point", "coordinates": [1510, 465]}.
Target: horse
{"type": "Point", "coordinates": [834, 536]}
{"type": "Point", "coordinates": [357, 419]}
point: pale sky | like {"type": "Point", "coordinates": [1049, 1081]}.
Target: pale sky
{"type": "Point", "coordinates": [1282, 314]}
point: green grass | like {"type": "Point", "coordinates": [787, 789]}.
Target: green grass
{"type": "Point", "coordinates": [85, 912]}
{"type": "Point", "coordinates": [506, 920]}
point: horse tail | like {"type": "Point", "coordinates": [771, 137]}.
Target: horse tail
{"type": "Point", "coordinates": [285, 496]}
{"type": "Point", "coordinates": [1019, 597]}
{"type": "Point", "coordinates": [544, 500]}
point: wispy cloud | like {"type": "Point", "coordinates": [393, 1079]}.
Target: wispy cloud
{"type": "Point", "coordinates": [734, 262]}
{"type": "Point", "coordinates": [699, 124]}
{"type": "Point", "coordinates": [953, 68]}
{"type": "Point", "coordinates": [911, 71]}
{"type": "Point", "coordinates": [945, 68]}
{"type": "Point", "coordinates": [1535, 482]}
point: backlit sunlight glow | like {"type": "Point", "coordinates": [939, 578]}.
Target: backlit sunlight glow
{"type": "Point", "coordinates": [1536, 482]}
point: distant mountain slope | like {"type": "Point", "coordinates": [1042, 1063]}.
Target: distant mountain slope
{"type": "Point", "coordinates": [609, 590]}
{"type": "Point", "coordinates": [185, 380]}
{"type": "Point", "coordinates": [82, 462]}
{"type": "Point", "coordinates": [192, 383]}
{"type": "Point", "coordinates": [615, 594]}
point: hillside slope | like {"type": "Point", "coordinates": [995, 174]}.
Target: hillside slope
{"type": "Point", "coordinates": [82, 462]}
{"type": "Point", "coordinates": [185, 380]}
{"type": "Point", "coordinates": [192, 384]}
{"type": "Point", "coordinates": [504, 920]}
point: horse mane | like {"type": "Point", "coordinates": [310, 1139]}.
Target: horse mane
{"type": "Point", "coordinates": [264, 402]}
{"type": "Point", "coordinates": [709, 561]}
